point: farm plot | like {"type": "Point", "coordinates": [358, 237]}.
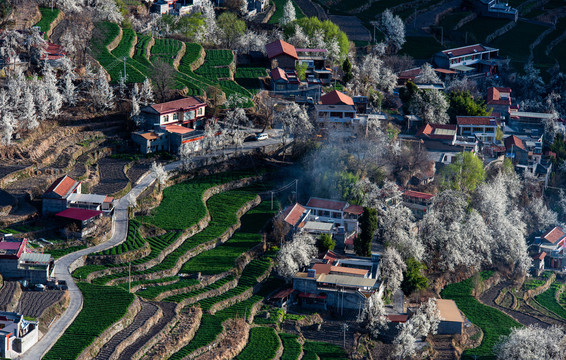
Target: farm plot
{"type": "Point", "coordinates": [479, 28]}
{"type": "Point", "coordinates": [125, 45]}
{"type": "Point", "coordinates": [62, 251]}
{"type": "Point", "coordinates": [314, 350]}
{"type": "Point", "coordinates": [105, 33]}
{"type": "Point", "coordinates": [97, 314]}
{"type": "Point", "coordinates": [248, 77]}
{"type": "Point", "coordinates": [112, 176]}
{"type": "Point", "coordinates": [249, 278]}
{"type": "Point", "coordinates": [187, 195]}
{"type": "Point", "coordinates": [135, 172]}
{"type": "Point", "coordinates": [210, 287]}
{"type": "Point", "coordinates": [157, 245]}
{"type": "Point", "coordinates": [140, 54]}
{"type": "Point", "coordinates": [47, 17]}
{"type": "Point", "coordinates": [421, 47]}
{"type": "Point", "coordinates": [7, 293]}
{"type": "Point", "coordinates": [216, 65]}
{"type": "Point", "coordinates": [493, 322]}
{"type": "Point", "coordinates": [222, 257]}
{"type": "Point", "coordinates": [548, 300]}
{"type": "Point", "coordinates": [153, 291]}
{"type": "Point", "coordinates": [165, 50]}
{"type": "Point", "coordinates": [279, 5]}
{"type": "Point", "coordinates": [34, 303]}
{"type": "Point", "coordinates": [291, 347]}
{"type": "Point", "coordinates": [262, 344]}
{"type": "Point", "coordinates": [541, 60]}
{"type": "Point", "coordinates": [515, 43]}
{"type": "Point", "coordinates": [133, 241]}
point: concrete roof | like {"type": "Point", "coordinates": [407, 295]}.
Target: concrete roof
{"type": "Point", "coordinates": [88, 198]}
{"type": "Point", "coordinates": [448, 310]}
{"type": "Point", "coordinates": [42, 259]}
{"type": "Point", "coordinates": [318, 226]}
{"type": "Point", "coordinates": [343, 280]}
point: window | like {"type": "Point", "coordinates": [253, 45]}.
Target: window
{"type": "Point", "coordinates": [175, 116]}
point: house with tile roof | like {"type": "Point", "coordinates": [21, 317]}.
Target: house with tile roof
{"type": "Point", "coordinates": [551, 248]}
{"type": "Point", "coordinates": [499, 100]}
{"type": "Point", "coordinates": [336, 97]}
{"type": "Point", "coordinates": [418, 202]}
{"type": "Point", "coordinates": [167, 126]}
{"type": "Point", "coordinates": [281, 54]}
{"type": "Point", "coordinates": [338, 282]}
{"type": "Point", "coordinates": [483, 128]}
{"type": "Point", "coordinates": [469, 60]}
{"type": "Point", "coordinates": [56, 196]}
{"type": "Point", "coordinates": [65, 193]}
{"type": "Point", "coordinates": [19, 261]}
{"type": "Point", "coordinates": [284, 80]}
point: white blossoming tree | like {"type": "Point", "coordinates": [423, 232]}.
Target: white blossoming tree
{"type": "Point", "coordinates": [295, 254]}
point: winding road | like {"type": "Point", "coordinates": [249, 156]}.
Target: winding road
{"type": "Point", "coordinates": [119, 234]}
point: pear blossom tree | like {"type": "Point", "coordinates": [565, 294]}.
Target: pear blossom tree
{"type": "Point", "coordinates": [431, 106]}
{"type": "Point", "coordinates": [397, 229]}
{"type": "Point", "coordinates": [295, 254]}
{"type": "Point", "coordinates": [146, 95]}
{"type": "Point", "coordinates": [160, 174]}
{"type": "Point", "coordinates": [7, 127]}
{"type": "Point", "coordinates": [372, 73]}
{"type": "Point", "coordinates": [427, 75]}
{"type": "Point", "coordinates": [394, 29]}
{"type": "Point", "coordinates": [424, 322]}
{"type": "Point", "coordinates": [532, 343]}
{"type": "Point", "coordinates": [392, 268]}
{"type": "Point", "coordinates": [29, 112]}
{"type": "Point", "coordinates": [288, 13]}
{"type": "Point", "coordinates": [101, 95]}
{"type": "Point", "coordinates": [373, 316]}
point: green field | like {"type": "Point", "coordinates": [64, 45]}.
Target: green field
{"type": "Point", "coordinates": [479, 28]}
{"type": "Point", "coordinates": [493, 322]}
{"type": "Point", "coordinates": [291, 347]}
{"type": "Point", "coordinates": [279, 5]}
{"type": "Point", "coordinates": [515, 43]}
{"type": "Point", "coordinates": [103, 306]}
{"type": "Point", "coordinates": [320, 350]}
{"type": "Point", "coordinates": [47, 17]}
{"type": "Point", "coordinates": [451, 20]}
{"type": "Point", "coordinates": [222, 257]}
{"type": "Point", "coordinates": [263, 344]}
{"type": "Point", "coordinates": [421, 47]}
{"type": "Point", "coordinates": [548, 300]}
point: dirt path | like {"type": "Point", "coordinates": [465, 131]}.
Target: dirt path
{"type": "Point", "coordinates": [489, 296]}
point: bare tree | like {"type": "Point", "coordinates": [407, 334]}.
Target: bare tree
{"type": "Point", "coordinates": [162, 79]}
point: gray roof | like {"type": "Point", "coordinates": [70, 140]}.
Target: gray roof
{"type": "Point", "coordinates": [318, 226]}
{"type": "Point", "coordinates": [36, 257]}
{"type": "Point", "coordinates": [87, 198]}
{"type": "Point", "coordinates": [335, 107]}
{"type": "Point", "coordinates": [352, 281]}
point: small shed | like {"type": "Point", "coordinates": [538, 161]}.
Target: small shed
{"type": "Point", "coordinates": [281, 298]}
{"type": "Point", "coordinates": [451, 321]}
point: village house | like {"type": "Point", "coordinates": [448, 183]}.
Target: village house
{"type": "Point", "coordinates": [65, 192]}
{"type": "Point", "coordinates": [496, 9]}
{"type": "Point", "coordinates": [166, 126]}
{"type": "Point", "coordinates": [337, 283]}
{"type": "Point", "coordinates": [418, 202]}
{"type": "Point", "coordinates": [483, 128]}
{"type": "Point", "coordinates": [551, 248]}
{"type": "Point", "coordinates": [281, 54]}
{"type": "Point", "coordinates": [315, 60]}
{"type": "Point", "coordinates": [294, 216]}
{"type": "Point", "coordinates": [451, 319]}
{"type": "Point", "coordinates": [19, 261]}
{"type": "Point", "coordinates": [526, 154]}
{"type": "Point", "coordinates": [284, 81]}
{"type": "Point", "coordinates": [499, 100]}
{"type": "Point", "coordinates": [17, 335]}
{"type": "Point", "coordinates": [469, 60]}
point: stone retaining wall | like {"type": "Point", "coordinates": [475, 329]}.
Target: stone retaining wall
{"type": "Point", "coordinates": [114, 44]}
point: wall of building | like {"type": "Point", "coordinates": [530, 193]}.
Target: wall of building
{"type": "Point", "coordinates": [347, 300]}
{"type": "Point", "coordinates": [449, 327]}
{"type": "Point", "coordinates": [53, 206]}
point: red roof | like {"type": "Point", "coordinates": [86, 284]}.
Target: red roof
{"type": "Point", "coordinates": [354, 209]}
{"type": "Point", "coordinates": [331, 256]}
{"type": "Point", "coordinates": [278, 73]}
{"type": "Point", "coordinates": [177, 129]}
{"type": "Point", "coordinates": [336, 97]}
{"type": "Point", "coordinates": [554, 235]}
{"type": "Point", "coordinates": [292, 214]}
{"type": "Point", "coordinates": [322, 268]}
{"type": "Point", "coordinates": [511, 141]}
{"type": "Point", "coordinates": [13, 249]}
{"type": "Point", "coordinates": [445, 71]}
{"type": "Point", "coordinates": [62, 186]}
{"type": "Point", "coordinates": [539, 256]}
{"type": "Point", "coordinates": [149, 135]}
{"type": "Point", "coordinates": [79, 214]}
{"type": "Point", "coordinates": [475, 120]}
{"type": "Point", "coordinates": [283, 293]}
{"type": "Point", "coordinates": [280, 47]}
{"type": "Point", "coordinates": [398, 318]}
{"type": "Point", "coordinates": [418, 195]}
{"type": "Point", "coordinates": [494, 96]}
{"type": "Point", "coordinates": [410, 74]}
{"type": "Point", "coordinates": [326, 204]}
{"type": "Point", "coordinates": [465, 50]}
{"type": "Point", "coordinates": [176, 105]}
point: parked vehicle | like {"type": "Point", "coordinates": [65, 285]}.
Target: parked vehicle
{"type": "Point", "coordinates": [262, 136]}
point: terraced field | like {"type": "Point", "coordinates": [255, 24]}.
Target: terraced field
{"type": "Point", "coordinates": [234, 292]}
